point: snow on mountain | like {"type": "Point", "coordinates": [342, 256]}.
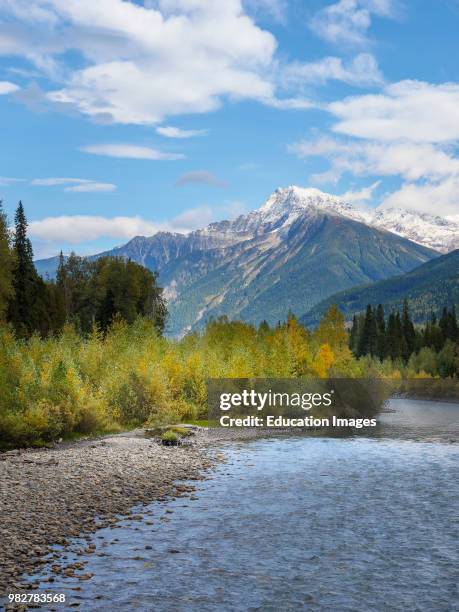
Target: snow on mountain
{"type": "Point", "coordinates": [286, 205]}
{"type": "Point", "coordinates": [439, 233]}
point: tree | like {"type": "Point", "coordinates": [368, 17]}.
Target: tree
{"type": "Point", "coordinates": [381, 332]}
{"type": "Point", "coordinates": [23, 304]}
{"type": "Point", "coordinates": [6, 265]}
{"type": "Point", "coordinates": [332, 330]}
{"type": "Point", "coordinates": [408, 332]}
{"type": "Point", "coordinates": [368, 341]}
{"type": "Point", "coordinates": [109, 287]}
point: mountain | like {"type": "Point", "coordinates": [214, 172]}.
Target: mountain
{"type": "Point", "coordinates": [300, 247]}
{"type": "Point", "coordinates": [439, 233]}
{"type": "Point", "coordinates": [428, 288]}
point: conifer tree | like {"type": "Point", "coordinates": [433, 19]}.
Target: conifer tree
{"type": "Point", "coordinates": [408, 333]}
{"type": "Point", "coordinates": [25, 276]}
{"type": "Point", "coordinates": [368, 342]}
{"type": "Point", "coordinates": [381, 327]}
{"type": "Point", "coordinates": [6, 265]}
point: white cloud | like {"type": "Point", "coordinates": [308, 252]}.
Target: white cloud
{"type": "Point", "coordinates": [435, 198]}
{"type": "Point", "coordinates": [47, 182]}
{"type": "Point", "coordinates": [174, 132]}
{"type": "Point", "coordinates": [76, 229]}
{"type": "Point", "coordinates": [362, 70]}
{"type": "Point", "coordinates": [348, 21]}
{"type": "Point", "coordinates": [6, 87]}
{"type": "Point", "coordinates": [141, 63]}
{"type": "Point", "coordinates": [81, 228]}
{"type": "Point", "coordinates": [411, 161]}
{"type": "Point", "coordinates": [75, 184]}
{"type": "Point", "coordinates": [290, 103]}
{"type": "Point", "coordinates": [200, 176]}
{"type": "Point", "coordinates": [411, 110]}
{"type": "Point", "coordinates": [129, 151]}
{"type": "Point", "coordinates": [361, 195]}
{"type": "Point", "coordinates": [92, 188]}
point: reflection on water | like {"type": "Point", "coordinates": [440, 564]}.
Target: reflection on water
{"type": "Point", "coordinates": [360, 523]}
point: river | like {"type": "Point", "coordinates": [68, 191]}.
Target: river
{"type": "Point", "coordinates": [367, 522]}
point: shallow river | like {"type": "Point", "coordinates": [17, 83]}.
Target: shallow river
{"type": "Point", "coordinates": [363, 523]}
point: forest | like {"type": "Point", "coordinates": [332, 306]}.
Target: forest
{"type": "Point", "coordinates": [86, 353]}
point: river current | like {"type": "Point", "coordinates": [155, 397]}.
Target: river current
{"type": "Point", "coordinates": [367, 522]}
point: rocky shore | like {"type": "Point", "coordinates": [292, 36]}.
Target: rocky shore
{"type": "Point", "coordinates": [51, 495]}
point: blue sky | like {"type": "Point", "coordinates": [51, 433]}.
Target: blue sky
{"type": "Point", "coordinates": [122, 118]}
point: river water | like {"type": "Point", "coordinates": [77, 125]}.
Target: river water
{"type": "Point", "coordinates": [363, 523]}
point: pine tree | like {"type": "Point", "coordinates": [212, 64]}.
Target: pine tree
{"type": "Point", "coordinates": [25, 276]}
{"type": "Point", "coordinates": [354, 335]}
{"type": "Point", "coordinates": [381, 327]}
{"type": "Point", "coordinates": [6, 265]}
{"type": "Point", "coordinates": [368, 342]}
{"type": "Point", "coordinates": [408, 333]}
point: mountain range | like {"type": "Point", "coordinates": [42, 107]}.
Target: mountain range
{"type": "Point", "coordinates": [299, 248]}
{"type": "Point", "coordinates": [430, 287]}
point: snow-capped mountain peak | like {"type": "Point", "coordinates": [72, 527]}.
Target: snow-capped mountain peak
{"type": "Point", "coordinates": [439, 233]}
{"type": "Point", "coordinates": [294, 200]}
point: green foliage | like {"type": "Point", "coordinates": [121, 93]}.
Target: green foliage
{"type": "Point", "coordinates": [86, 293]}
{"type": "Point", "coordinates": [170, 437]}
{"type": "Point", "coordinates": [6, 265]}
{"type": "Point", "coordinates": [106, 289]}
{"type": "Point", "coordinates": [71, 383]}
{"type": "Point", "coordinates": [431, 349]}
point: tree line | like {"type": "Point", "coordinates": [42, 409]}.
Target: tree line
{"type": "Point", "coordinates": [86, 293]}
{"type": "Point", "coordinates": [434, 346]}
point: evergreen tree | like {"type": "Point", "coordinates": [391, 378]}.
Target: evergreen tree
{"type": "Point", "coordinates": [354, 335]}
{"type": "Point", "coordinates": [381, 329]}
{"type": "Point", "coordinates": [107, 311]}
{"type": "Point", "coordinates": [23, 305]}
{"type": "Point", "coordinates": [408, 333]}
{"type": "Point", "coordinates": [368, 341]}
{"type": "Point", "coordinates": [6, 265]}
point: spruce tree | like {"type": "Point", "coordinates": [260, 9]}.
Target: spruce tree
{"type": "Point", "coordinates": [6, 265]}
{"type": "Point", "coordinates": [25, 276]}
{"type": "Point", "coordinates": [408, 333]}
{"type": "Point", "coordinates": [381, 327]}
{"type": "Point", "coordinates": [368, 341]}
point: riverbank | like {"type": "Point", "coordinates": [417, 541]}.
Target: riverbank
{"type": "Point", "coordinates": [50, 496]}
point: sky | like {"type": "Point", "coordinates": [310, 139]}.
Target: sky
{"type": "Point", "coordinates": [121, 118]}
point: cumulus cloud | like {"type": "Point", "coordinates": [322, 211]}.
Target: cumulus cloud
{"type": "Point", "coordinates": [174, 132]}
{"type": "Point", "coordinates": [412, 110]}
{"type": "Point", "coordinates": [6, 87]}
{"type": "Point", "coordinates": [410, 131]}
{"type": "Point", "coordinates": [139, 63]}
{"type": "Point", "coordinates": [142, 62]}
{"type": "Point", "coordinates": [130, 151]}
{"type": "Point", "coordinates": [411, 161]}
{"type": "Point", "coordinates": [202, 177]}
{"type": "Point", "coordinates": [75, 184]}
{"type": "Point", "coordinates": [348, 21]}
{"type": "Point", "coordinates": [75, 229]}
{"type": "Point", "coordinates": [440, 197]}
